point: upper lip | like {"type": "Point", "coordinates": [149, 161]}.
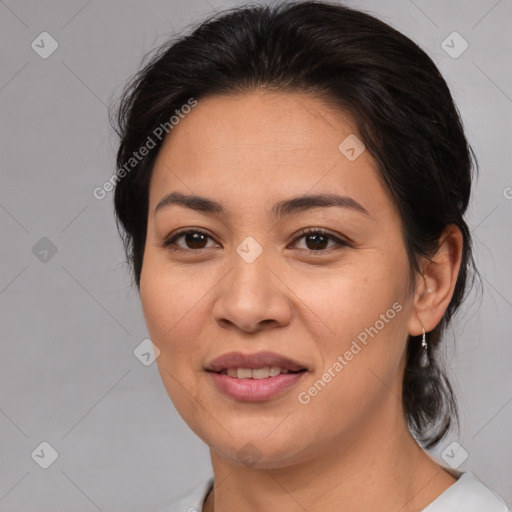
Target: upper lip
{"type": "Point", "coordinates": [251, 361]}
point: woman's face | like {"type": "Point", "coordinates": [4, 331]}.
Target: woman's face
{"type": "Point", "coordinates": [337, 303]}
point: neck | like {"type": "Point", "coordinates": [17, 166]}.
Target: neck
{"type": "Point", "coordinates": [381, 464]}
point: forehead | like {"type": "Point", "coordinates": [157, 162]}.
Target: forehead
{"type": "Point", "coordinates": [261, 141]}
{"type": "Point", "coordinates": [272, 122]}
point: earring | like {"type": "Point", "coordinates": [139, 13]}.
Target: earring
{"type": "Point", "coordinates": [423, 340]}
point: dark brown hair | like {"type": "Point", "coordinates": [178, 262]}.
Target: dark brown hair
{"type": "Point", "coordinates": [404, 113]}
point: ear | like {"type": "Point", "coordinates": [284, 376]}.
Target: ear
{"type": "Point", "coordinates": [436, 282]}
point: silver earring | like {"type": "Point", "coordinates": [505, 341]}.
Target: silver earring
{"type": "Point", "coordinates": [423, 340]}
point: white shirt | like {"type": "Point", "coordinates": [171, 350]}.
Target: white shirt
{"type": "Point", "coordinates": [467, 494]}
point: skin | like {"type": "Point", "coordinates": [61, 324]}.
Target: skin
{"type": "Point", "coordinates": [348, 446]}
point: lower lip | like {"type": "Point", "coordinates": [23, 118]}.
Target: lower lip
{"type": "Point", "coordinates": [255, 390]}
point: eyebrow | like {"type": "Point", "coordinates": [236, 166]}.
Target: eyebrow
{"type": "Point", "coordinates": [280, 209]}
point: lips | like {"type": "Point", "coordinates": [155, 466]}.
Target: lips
{"type": "Point", "coordinates": [235, 360]}
{"type": "Point", "coordinates": [255, 377]}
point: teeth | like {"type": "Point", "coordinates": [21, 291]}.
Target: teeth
{"type": "Point", "coordinates": [244, 373]}
{"type": "Point", "coordinates": [275, 370]}
{"type": "Point", "coordinates": [260, 373]}
{"type": "Point", "coordinates": [256, 373]}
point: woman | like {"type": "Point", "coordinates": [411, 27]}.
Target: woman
{"type": "Point", "coordinates": [291, 190]}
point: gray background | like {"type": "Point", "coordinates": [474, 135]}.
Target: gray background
{"type": "Point", "coordinates": [70, 324]}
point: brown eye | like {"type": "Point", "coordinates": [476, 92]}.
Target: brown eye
{"type": "Point", "coordinates": [192, 240]}
{"type": "Point", "coordinates": [318, 240]}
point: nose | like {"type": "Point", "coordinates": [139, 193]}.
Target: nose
{"type": "Point", "coordinates": [252, 297]}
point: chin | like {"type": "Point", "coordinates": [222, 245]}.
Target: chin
{"type": "Point", "coordinates": [258, 451]}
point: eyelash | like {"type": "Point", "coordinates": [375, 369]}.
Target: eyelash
{"type": "Point", "coordinates": [170, 242]}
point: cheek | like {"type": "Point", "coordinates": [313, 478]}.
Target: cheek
{"type": "Point", "coordinates": [172, 306]}
{"type": "Point", "coordinates": [171, 302]}
{"type": "Point", "coordinates": [168, 295]}
{"type": "Point", "coordinates": [359, 315]}
{"type": "Point", "coordinates": [343, 302]}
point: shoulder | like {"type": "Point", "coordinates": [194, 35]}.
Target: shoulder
{"type": "Point", "coordinates": [193, 502]}
{"type": "Point", "coordinates": [468, 494]}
